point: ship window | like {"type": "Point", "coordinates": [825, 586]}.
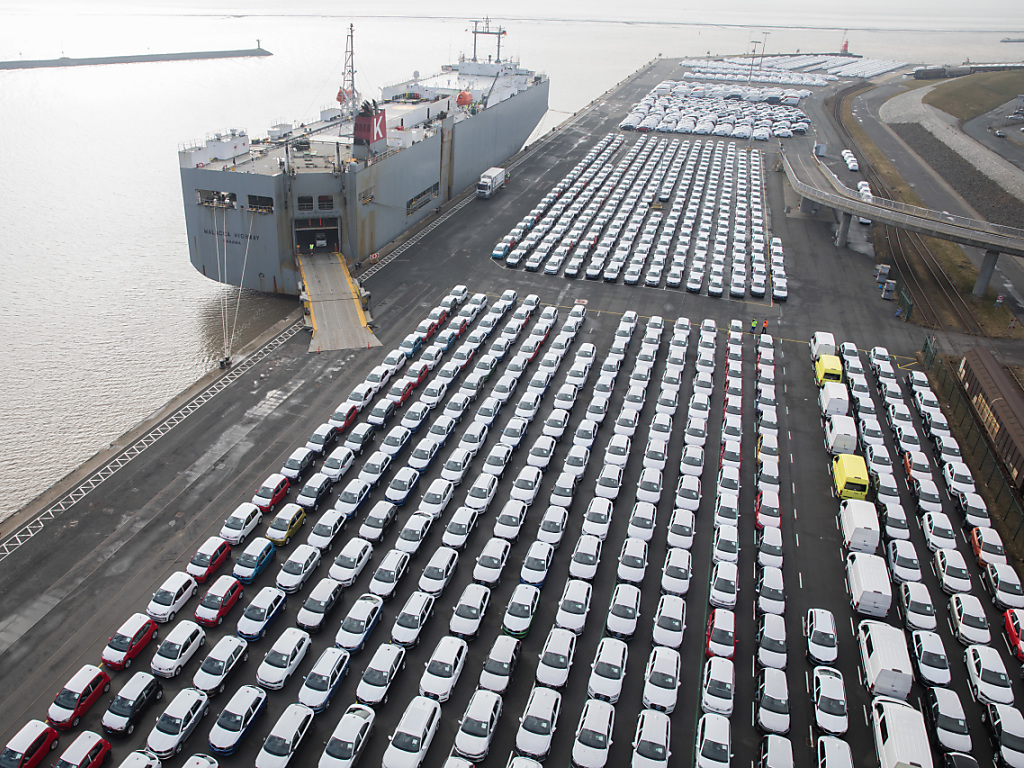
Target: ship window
{"type": "Point", "coordinates": [216, 199]}
{"type": "Point", "coordinates": [261, 204]}
{"type": "Point", "coordinates": [422, 199]}
{"type": "Point", "coordinates": [325, 202]}
{"type": "Point", "coordinates": [305, 202]}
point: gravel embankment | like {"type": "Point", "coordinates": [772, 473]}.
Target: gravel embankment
{"type": "Point", "coordinates": [982, 193]}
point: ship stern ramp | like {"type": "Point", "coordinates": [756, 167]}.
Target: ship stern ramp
{"type": "Point", "coordinates": [335, 304]}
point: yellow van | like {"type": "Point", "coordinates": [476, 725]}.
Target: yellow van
{"type": "Point", "coordinates": [850, 476]}
{"type": "Point", "coordinates": [828, 368]}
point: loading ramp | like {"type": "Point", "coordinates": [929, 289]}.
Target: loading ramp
{"type": "Point", "coordinates": [336, 312]}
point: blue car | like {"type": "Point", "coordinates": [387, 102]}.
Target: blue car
{"type": "Point", "coordinates": [265, 608]}
{"type": "Point", "coordinates": [324, 679]}
{"type": "Point", "coordinates": [359, 623]}
{"type": "Point", "coordinates": [500, 251]}
{"type": "Point", "coordinates": [403, 485]}
{"type": "Point", "coordinates": [411, 344]}
{"type": "Point", "coordinates": [237, 719]}
{"type": "Point", "coordinates": [254, 559]}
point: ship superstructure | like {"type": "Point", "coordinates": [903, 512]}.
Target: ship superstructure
{"type": "Point", "coordinates": [357, 177]}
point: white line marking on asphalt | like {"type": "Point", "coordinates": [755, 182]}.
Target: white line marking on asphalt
{"type": "Point", "coordinates": [800, 578]}
{"type": "Point", "coordinates": [796, 537]}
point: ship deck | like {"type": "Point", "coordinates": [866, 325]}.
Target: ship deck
{"type": "Point", "coordinates": [338, 319]}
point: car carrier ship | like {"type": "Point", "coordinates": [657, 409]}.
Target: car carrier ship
{"type": "Point", "coordinates": [359, 176]}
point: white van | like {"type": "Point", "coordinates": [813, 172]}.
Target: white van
{"type": "Point", "coordinates": [833, 399]}
{"type": "Point", "coordinates": [885, 659]}
{"type": "Point", "coordinates": [858, 521]}
{"type": "Point", "coordinates": [822, 343]}
{"type": "Point", "coordinates": [901, 738]}
{"type": "Point", "coordinates": [870, 588]}
{"type": "Point", "coordinates": [840, 434]}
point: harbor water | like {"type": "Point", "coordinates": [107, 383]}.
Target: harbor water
{"type": "Point", "coordinates": [105, 318]}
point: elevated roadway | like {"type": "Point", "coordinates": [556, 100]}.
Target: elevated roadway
{"type": "Point", "coordinates": [813, 181]}
{"type": "Point", "coordinates": [339, 321]}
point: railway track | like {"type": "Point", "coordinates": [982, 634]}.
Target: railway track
{"type": "Point", "coordinates": [935, 296]}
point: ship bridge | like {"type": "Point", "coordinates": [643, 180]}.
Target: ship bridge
{"type": "Point", "coordinates": [814, 181]}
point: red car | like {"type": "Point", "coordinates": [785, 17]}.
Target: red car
{"type": "Point", "coordinates": [129, 640]}
{"type": "Point", "coordinates": [418, 373]}
{"type": "Point", "coordinates": [77, 696]}
{"type": "Point", "coordinates": [30, 745]}
{"type": "Point", "coordinates": [218, 600]}
{"type": "Point", "coordinates": [530, 348]}
{"type": "Point", "coordinates": [720, 638]}
{"type": "Point", "coordinates": [211, 555]}
{"type": "Point", "coordinates": [89, 750]}
{"type": "Point", "coordinates": [344, 417]}
{"type": "Point", "coordinates": [459, 325]}
{"type": "Point", "coordinates": [438, 315]}
{"type": "Point", "coordinates": [1013, 623]}
{"type": "Point", "coordinates": [272, 492]}
{"type": "Point", "coordinates": [401, 391]}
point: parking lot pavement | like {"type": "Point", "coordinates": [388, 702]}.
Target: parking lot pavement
{"type": "Point", "coordinates": [69, 587]}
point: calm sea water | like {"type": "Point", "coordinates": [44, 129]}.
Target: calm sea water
{"type": "Point", "coordinates": [105, 318]}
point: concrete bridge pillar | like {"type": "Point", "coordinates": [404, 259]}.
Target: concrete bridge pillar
{"type": "Point", "coordinates": [808, 206]}
{"type": "Point", "coordinates": [988, 266]}
{"type": "Point", "coordinates": [844, 228]}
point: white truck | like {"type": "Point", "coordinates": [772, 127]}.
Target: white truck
{"type": "Point", "coordinates": [822, 343]}
{"type": "Point", "coordinates": [900, 735]}
{"type": "Point", "coordinates": [840, 434]}
{"type": "Point", "coordinates": [858, 522]}
{"type": "Point", "coordinates": [833, 399]}
{"type": "Point", "coordinates": [490, 182]}
{"type": "Point", "coordinates": [885, 660]}
{"type": "Point", "coordinates": [870, 588]}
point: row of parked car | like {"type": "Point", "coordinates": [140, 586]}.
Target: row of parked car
{"type": "Point", "coordinates": [607, 215]}
{"type": "Point", "coordinates": [902, 571]}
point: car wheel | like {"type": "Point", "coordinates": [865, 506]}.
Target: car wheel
{"type": "Point", "coordinates": [245, 656]}
{"type": "Point", "coordinates": [53, 744]}
{"type": "Point", "coordinates": [262, 633]}
{"type": "Point", "coordinates": [220, 620]}
{"type": "Point", "coordinates": [130, 729]}
{"type": "Point", "coordinates": [76, 721]}
{"type": "Point", "coordinates": [177, 748]}
{"type": "Point", "coordinates": [202, 641]}
{"type": "Point", "coordinates": [128, 662]}
{"type": "Point", "coordinates": [177, 671]}
{"type": "Point", "coordinates": [206, 711]}
{"type": "Point", "coordinates": [170, 616]}
{"type": "Point", "coordinates": [106, 686]}
{"type": "Point", "coordinates": [195, 591]}
{"type": "Point", "coordinates": [220, 689]}
{"type": "Point", "coordinates": [159, 694]}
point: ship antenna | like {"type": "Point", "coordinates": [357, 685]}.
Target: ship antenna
{"type": "Point", "coordinates": [350, 107]}
{"type": "Point", "coordinates": [499, 33]}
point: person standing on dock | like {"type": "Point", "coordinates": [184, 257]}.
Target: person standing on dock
{"type": "Point", "coordinates": [753, 325]}
{"type": "Point", "coordinates": [764, 327]}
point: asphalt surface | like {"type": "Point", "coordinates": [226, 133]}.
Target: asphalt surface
{"type": "Point", "coordinates": [69, 587]}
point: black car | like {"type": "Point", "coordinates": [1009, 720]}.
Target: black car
{"type": "Point", "coordinates": [131, 702]}
{"type": "Point", "coordinates": [314, 492]}
{"type": "Point", "coordinates": [360, 438]}
{"type": "Point", "coordinates": [323, 439]}
{"type": "Point", "coordinates": [298, 465]}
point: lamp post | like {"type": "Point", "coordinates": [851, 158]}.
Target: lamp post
{"type": "Point", "coordinates": [763, 46]}
{"type": "Point", "coordinates": [753, 56]}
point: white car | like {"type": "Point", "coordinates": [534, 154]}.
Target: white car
{"type": "Point", "coordinates": [585, 557]}
{"type": "Point", "coordinates": [608, 670]}
{"type": "Point", "coordinates": [436, 499]}
{"type": "Point", "coordinates": [662, 679]}
{"type": "Point", "coordinates": [771, 702]}
{"type": "Point", "coordinates": [537, 563]}
{"type": "Point", "coordinates": [389, 573]}
{"type": "Point", "coordinates": [713, 747]}
{"type": "Point", "coordinates": [297, 569]}
{"type": "Point", "coordinates": [669, 621]}
{"type": "Point", "coordinates": [220, 662]}
{"type": "Point", "coordinates": [652, 740]}
{"type": "Point", "coordinates": [245, 519]}
{"type": "Point", "coordinates": [930, 658]}
{"type": "Point", "coordinates": [771, 641]}
{"type": "Point", "coordinates": [675, 574]}
{"type": "Point", "coordinates": [574, 606]}
{"type": "Point", "coordinates": [968, 620]}
{"type": "Point", "coordinates": [468, 613]}
{"type": "Point", "coordinates": [829, 698]}
{"type": "Point", "coordinates": [719, 686]}
{"type": "Point", "coordinates": [350, 561]}
{"type": "Point", "coordinates": [938, 531]}
{"type": "Point", "coordinates": [632, 561]}
{"type": "Point", "coordinates": [1003, 585]}
{"type": "Point", "coordinates": [409, 623]}
{"type": "Point", "coordinates": [385, 664]}
{"type": "Point", "coordinates": [171, 597]}
{"type": "Point", "coordinates": [238, 716]}
{"type": "Point", "coordinates": [497, 460]}
{"type": "Point", "coordinates": [623, 611]}
{"type": "Point", "coordinates": [541, 452]}
{"type": "Point", "coordinates": [460, 526]}
{"type": "Point", "coordinates": [326, 528]}
{"type": "Point", "coordinates": [649, 485]}
{"type": "Point", "coordinates": [946, 714]}
{"type": "Point", "coordinates": [283, 658]}
{"type": "Point", "coordinates": [500, 664]}
{"type": "Point", "coordinates": [692, 461]}
{"type": "Point", "coordinates": [521, 609]}
{"type": "Point", "coordinates": [443, 668]}
{"type": "Point", "coordinates": [820, 631]}
{"type": "Point", "coordinates": [180, 645]}
{"type": "Point", "coordinates": [438, 571]}
{"type": "Point", "coordinates": [527, 484]}
{"type": "Point", "coordinates": [552, 526]}
{"type": "Point", "coordinates": [413, 735]}
{"type": "Point", "coordinates": [350, 737]}
{"type": "Point", "coordinates": [491, 562]}
{"type": "Point", "coordinates": [642, 521]}
{"type": "Point", "coordinates": [177, 722]}
{"type": "Point", "coordinates": [916, 605]}
{"type": "Point", "coordinates": [688, 493]}
{"type": "Point", "coordinates": [680, 529]}
{"type": "Point", "coordinates": [593, 740]}
{"type": "Point", "coordinates": [770, 591]}
{"type": "Point", "coordinates": [510, 520]}
{"type": "Point", "coordinates": [597, 518]}
{"type": "Point", "coordinates": [538, 723]}
{"type": "Point", "coordinates": [359, 622]}
{"type": "Point", "coordinates": [576, 460]}
{"type": "Point", "coordinates": [481, 492]}
{"type": "Point", "coordinates": [951, 569]}
{"type": "Point", "coordinates": [725, 545]}
{"type": "Point", "coordinates": [986, 675]}
{"type": "Point", "coordinates": [903, 562]}
{"type": "Point", "coordinates": [478, 724]}
{"type": "Point", "coordinates": [456, 466]}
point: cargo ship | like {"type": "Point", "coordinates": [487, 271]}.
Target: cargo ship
{"type": "Point", "coordinates": [359, 176]}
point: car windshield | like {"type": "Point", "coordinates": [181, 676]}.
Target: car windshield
{"type": "Point", "coordinates": [934, 660]}
{"type": "Point", "coordinates": [538, 725]}
{"type": "Point", "coordinates": [475, 727]}
{"type": "Point", "coordinates": [670, 623]}
{"type": "Point", "coordinates": [277, 659]}
{"type": "Point", "coordinates": [348, 497]}
{"type": "Point", "coordinates": [121, 642]}
{"type": "Point", "coordinates": [551, 526]}
{"type": "Point", "coordinates": [978, 621]}
{"type": "Point", "coordinates": [234, 523]}
{"type": "Point", "coordinates": [119, 706]}
{"type": "Point", "coordinates": [772, 704]}
{"type": "Point", "coordinates": [230, 721]}
{"type": "Point", "coordinates": [340, 749]}
{"type": "Point", "coordinates": [605, 669]}
{"type": "Point", "coordinates": [995, 677]}
{"type": "Point", "coordinates": [406, 742]}
{"type": "Point", "coordinates": [719, 688]}
{"type": "Point", "coordinates": [829, 706]}
{"type": "Point", "coordinates": [163, 597]}
{"type": "Point", "coordinates": [353, 625]}
{"type": "Point", "coordinates": [662, 679]}
{"type": "Point", "coordinates": [169, 650]}
{"type": "Point", "coordinates": [213, 666]}
{"type": "Point", "coordinates": [556, 660]}
{"type": "Point", "coordinates": [593, 739]}
{"type": "Point", "coordinates": [255, 612]}
{"type": "Point", "coordinates": [293, 567]}
{"type": "Point", "coordinates": [650, 750]}
{"type": "Point", "coordinates": [169, 724]}
{"type": "Point", "coordinates": [440, 668]}
{"type": "Point", "coordinates": [318, 682]}
{"type": "Point", "coordinates": [200, 558]}
{"type": "Point", "coordinates": [467, 611]}
{"type": "Point", "coordinates": [275, 745]}
{"type": "Point", "coordinates": [1011, 742]}
{"type": "Point", "coordinates": [408, 620]}
{"type": "Point", "coordinates": [489, 561]}
{"type": "Point", "coordinates": [714, 752]}
{"type": "Point", "coordinates": [632, 561]}
{"type": "Point", "coordinates": [497, 667]}
{"type": "Point", "coordinates": [280, 524]}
